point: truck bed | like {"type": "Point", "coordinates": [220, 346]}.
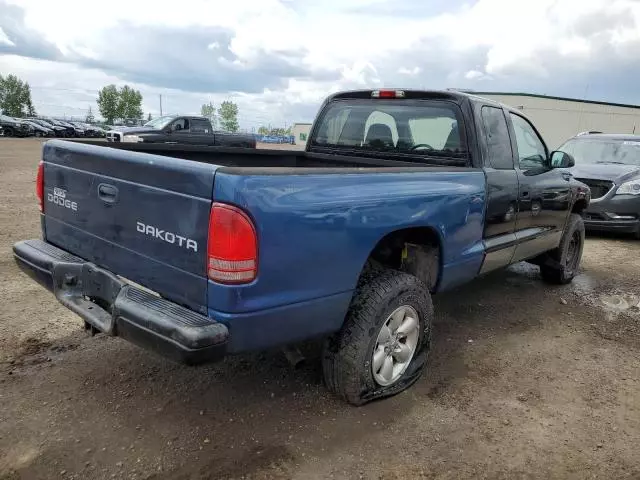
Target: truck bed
{"type": "Point", "coordinates": [143, 213]}
{"type": "Point", "coordinates": [283, 159]}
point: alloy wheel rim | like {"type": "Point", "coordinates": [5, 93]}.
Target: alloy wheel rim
{"type": "Point", "coordinates": [395, 345]}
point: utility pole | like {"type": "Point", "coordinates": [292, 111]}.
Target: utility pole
{"type": "Point", "coordinates": [160, 104]}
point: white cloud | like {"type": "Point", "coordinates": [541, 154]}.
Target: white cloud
{"type": "Point", "coordinates": [473, 75]}
{"type": "Point", "coordinates": [5, 40]}
{"type": "Point", "coordinates": [409, 71]}
{"type": "Point", "coordinates": [513, 44]}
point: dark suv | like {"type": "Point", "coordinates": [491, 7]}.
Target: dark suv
{"type": "Point", "coordinates": [610, 165]}
{"type": "Point", "coordinates": [14, 128]}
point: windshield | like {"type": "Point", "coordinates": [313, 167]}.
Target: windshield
{"type": "Point", "coordinates": [159, 122]}
{"type": "Point", "coordinates": [428, 128]}
{"type": "Point", "coordinates": [603, 150]}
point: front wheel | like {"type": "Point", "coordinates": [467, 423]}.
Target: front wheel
{"type": "Point", "coordinates": [562, 263]}
{"type": "Point", "coordinates": [382, 347]}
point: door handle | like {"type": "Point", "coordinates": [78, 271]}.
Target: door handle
{"type": "Point", "coordinates": [107, 193]}
{"type": "Point", "coordinates": [567, 176]}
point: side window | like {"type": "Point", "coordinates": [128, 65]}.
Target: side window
{"type": "Point", "coordinates": [497, 135]}
{"type": "Point", "coordinates": [200, 126]}
{"type": "Point", "coordinates": [180, 125]}
{"type": "Point", "coordinates": [531, 151]}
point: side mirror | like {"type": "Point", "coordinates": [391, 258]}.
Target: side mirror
{"type": "Point", "coordinates": [560, 159]}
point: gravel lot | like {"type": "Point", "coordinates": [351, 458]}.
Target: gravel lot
{"type": "Point", "coordinates": [525, 381]}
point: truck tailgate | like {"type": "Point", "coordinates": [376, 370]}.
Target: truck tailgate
{"type": "Point", "coordinates": [142, 216]}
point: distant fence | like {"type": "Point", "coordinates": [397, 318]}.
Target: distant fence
{"type": "Point", "coordinates": [276, 139]}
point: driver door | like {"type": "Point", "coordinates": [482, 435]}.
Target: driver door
{"type": "Point", "coordinates": [179, 131]}
{"type": "Point", "coordinates": [544, 194]}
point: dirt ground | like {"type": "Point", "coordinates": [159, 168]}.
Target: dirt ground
{"type": "Point", "coordinates": [525, 381]}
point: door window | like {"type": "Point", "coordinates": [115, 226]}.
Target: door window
{"type": "Point", "coordinates": [497, 136]}
{"type": "Point", "coordinates": [531, 150]}
{"type": "Point", "coordinates": [180, 125]}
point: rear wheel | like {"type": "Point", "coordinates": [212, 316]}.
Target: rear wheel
{"type": "Point", "coordinates": [382, 347]}
{"type": "Point", "coordinates": [562, 263]}
{"type": "Point", "coordinates": [8, 132]}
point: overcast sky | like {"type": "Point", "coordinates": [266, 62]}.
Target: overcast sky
{"type": "Point", "coordinates": [279, 58]}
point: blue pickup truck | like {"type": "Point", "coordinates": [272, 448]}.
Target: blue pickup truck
{"type": "Point", "coordinates": [199, 252]}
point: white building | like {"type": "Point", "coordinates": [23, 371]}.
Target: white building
{"type": "Point", "coordinates": [559, 119]}
{"type": "Point", "coordinates": [300, 131]}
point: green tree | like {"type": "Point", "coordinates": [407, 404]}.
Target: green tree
{"type": "Point", "coordinates": [108, 103]}
{"type": "Point", "coordinates": [228, 113]}
{"type": "Point", "coordinates": [263, 130]}
{"type": "Point", "coordinates": [15, 97]}
{"type": "Point", "coordinates": [129, 103]}
{"type": "Point", "coordinates": [209, 111]}
{"type": "Point", "coordinates": [26, 100]}
{"type": "Point", "coordinates": [278, 131]}
{"type": "Point", "coordinates": [123, 103]}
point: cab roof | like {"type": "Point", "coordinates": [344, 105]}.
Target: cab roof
{"type": "Point", "coordinates": [456, 96]}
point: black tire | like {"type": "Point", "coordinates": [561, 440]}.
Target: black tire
{"type": "Point", "coordinates": [347, 354]}
{"type": "Point", "coordinates": [9, 132]}
{"type": "Point", "coordinates": [563, 263]}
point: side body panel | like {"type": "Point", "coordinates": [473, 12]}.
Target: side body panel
{"type": "Point", "coordinates": [316, 232]}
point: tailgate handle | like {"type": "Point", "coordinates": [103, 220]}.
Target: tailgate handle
{"type": "Point", "coordinates": [107, 193]}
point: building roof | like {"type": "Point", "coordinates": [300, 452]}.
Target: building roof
{"type": "Point", "coordinates": [551, 97]}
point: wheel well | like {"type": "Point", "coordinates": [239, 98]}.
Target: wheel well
{"type": "Point", "coordinates": [579, 206]}
{"type": "Point", "coordinates": [413, 250]}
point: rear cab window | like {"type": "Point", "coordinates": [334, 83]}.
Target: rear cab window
{"type": "Point", "coordinates": [200, 126]}
{"type": "Point", "coordinates": [420, 128]}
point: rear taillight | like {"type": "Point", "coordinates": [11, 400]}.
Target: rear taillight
{"type": "Point", "coordinates": [40, 186]}
{"type": "Point", "coordinates": [232, 253]}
